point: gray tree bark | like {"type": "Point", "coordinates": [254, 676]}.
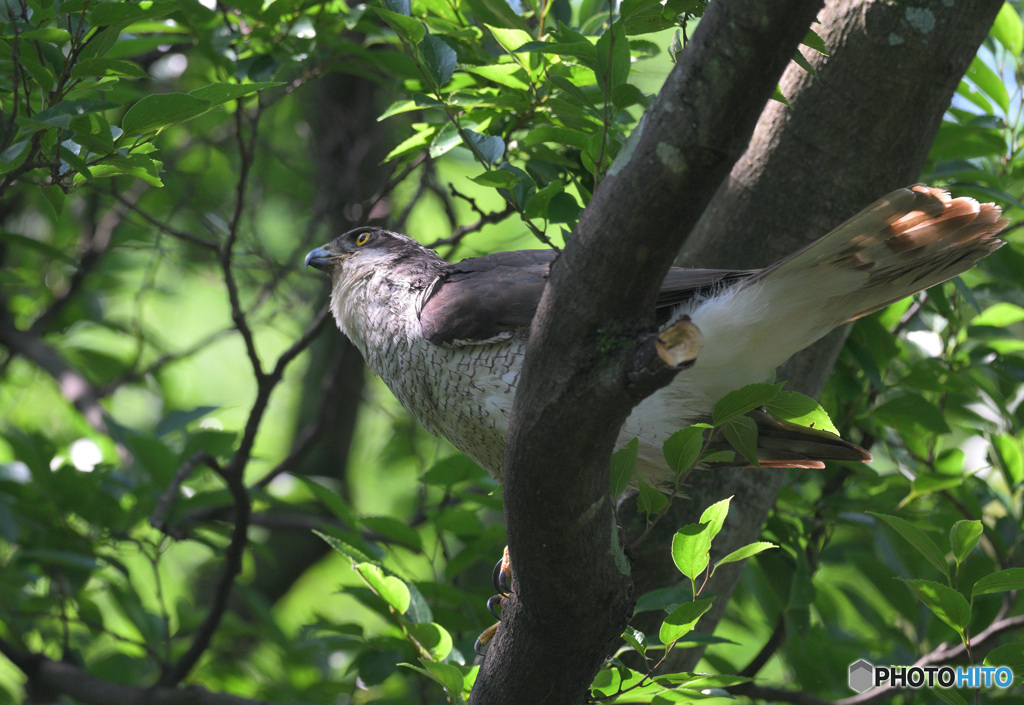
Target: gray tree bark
{"type": "Point", "coordinates": [861, 131]}
{"type": "Point", "coordinates": [572, 589]}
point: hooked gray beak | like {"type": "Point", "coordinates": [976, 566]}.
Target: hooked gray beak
{"type": "Point", "coordinates": [318, 258]}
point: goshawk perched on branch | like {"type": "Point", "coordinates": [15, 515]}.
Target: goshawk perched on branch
{"type": "Point", "coordinates": [449, 339]}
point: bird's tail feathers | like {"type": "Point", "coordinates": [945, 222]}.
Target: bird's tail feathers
{"type": "Point", "coordinates": [908, 241]}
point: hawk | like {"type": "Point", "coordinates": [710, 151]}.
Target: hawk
{"type": "Point", "coordinates": [448, 339]}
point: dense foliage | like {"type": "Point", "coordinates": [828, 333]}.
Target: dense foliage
{"type": "Point", "coordinates": [159, 403]}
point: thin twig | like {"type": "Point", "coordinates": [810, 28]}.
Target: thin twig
{"type": "Point", "coordinates": [884, 693]}
{"type": "Point", "coordinates": [230, 570]}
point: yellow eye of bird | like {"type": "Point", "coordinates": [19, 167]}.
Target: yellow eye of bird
{"type": "Point", "coordinates": [362, 239]}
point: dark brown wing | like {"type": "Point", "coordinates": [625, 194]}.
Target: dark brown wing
{"type": "Point", "coordinates": [681, 284]}
{"type": "Point", "coordinates": [483, 297]}
{"type": "Point", "coordinates": [781, 444]}
{"type": "Point", "coordinates": [478, 304]}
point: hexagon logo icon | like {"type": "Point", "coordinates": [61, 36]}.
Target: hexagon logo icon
{"type": "Point", "coordinates": [861, 675]}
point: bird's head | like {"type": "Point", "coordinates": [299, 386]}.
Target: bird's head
{"type": "Point", "coordinates": [361, 250]}
{"type": "Point", "coordinates": [373, 270]}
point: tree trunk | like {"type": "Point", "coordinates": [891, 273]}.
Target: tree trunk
{"type": "Point", "coordinates": [584, 369]}
{"type": "Point", "coordinates": [860, 130]}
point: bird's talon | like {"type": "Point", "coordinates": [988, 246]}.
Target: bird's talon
{"type": "Point", "coordinates": [501, 577]}
{"type": "Point", "coordinates": [494, 604]}
{"type": "Point", "coordinates": [484, 640]}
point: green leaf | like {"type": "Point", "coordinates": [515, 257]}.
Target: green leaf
{"type": "Point", "coordinates": [217, 93]}
{"type": "Point", "coordinates": [455, 468]}
{"type": "Point", "coordinates": [55, 197]}
{"type": "Point", "coordinates": [583, 51]}
{"type": "Point", "coordinates": [1000, 581]}
{"type": "Point", "coordinates": [613, 59]}
{"type": "Point", "coordinates": [691, 550]}
{"type": "Point", "coordinates": [1007, 29]}
{"type": "Point", "coordinates": [1011, 655]}
{"type": "Point", "coordinates": [636, 639]}
{"type": "Point", "coordinates": [344, 548]}
{"type": "Point", "coordinates": [408, 28]}
{"type": "Point", "coordinates": [401, 7]}
{"type": "Point", "coordinates": [683, 448]}
{"type": "Point", "coordinates": [391, 589]}
{"type": "Point", "coordinates": [948, 696]}
{"type": "Point", "coordinates": [918, 539]}
{"type": "Point", "coordinates": [415, 143]}
{"type": "Point", "coordinates": [537, 205]}
{"type": "Point", "coordinates": [741, 432]}
{"type": "Point", "coordinates": [683, 619]}
{"type": "Point", "coordinates": [714, 517]}
{"type": "Point", "coordinates": [61, 114]}
{"type": "Point", "coordinates": [523, 187]}
{"type": "Point", "coordinates": [434, 638]}
{"type": "Point", "coordinates": [54, 35]}
{"type": "Point", "coordinates": [650, 500]}
{"type": "Point", "coordinates": [627, 95]}
{"type": "Point", "coordinates": [509, 75]}
{"type": "Point", "coordinates": [999, 315]}
{"type": "Point", "coordinates": [801, 410]}
{"type": "Point", "coordinates": [419, 611]}
{"type": "Point", "coordinates": [394, 530]}
{"type": "Point", "coordinates": [510, 39]}
{"type": "Point", "coordinates": [157, 111]}
{"type": "Point", "coordinates": [490, 148]}
{"type": "Point", "coordinates": [438, 59]}
{"type": "Point", "coordinates": [330, 499]}
{"type": "Point", "coordinates": [623, 467]}
{"type": "Point", "coordinates": [989, 82]}
{"type": "Point", "coordinates": [663, 598]}
{"type": "Point", "coordinates": [177, 420]}
{"type": "Point", "coordinates": [812, 40]}
{"type": "Point", "coordinates": [419, 100]}
{"type": "Point", "coordinates": [1010, 456]}
{"type": "Point", "coordinates": [738, 402]}
{"type": "Point", "coordinates": [751, 549]}
{"type": "Point", "coordinates": [447, 139]}
{"type": "Point", "coordinates": [447, 675]}
{"type": "Point", "coordinates": [945, 603]}
{"type": "Point", "coordinates": [105, 13]}
{"type": "Point", "coordinates": [963, 536]}
{"type": "Point", "coordinates": [137, 165]}
{"type": "Point", "coordinates": [496, 178]}
{"type": "Point", "coordinates": [107, 67]}
{"type": "Point", "coordinates": [911, 409]}
{"type": "Point", "coordinates": [564, 209]}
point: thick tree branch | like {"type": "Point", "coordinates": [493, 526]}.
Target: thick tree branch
{"type": "Point", "coordinates": [571, 580]}
{"type": "Point", "coordinates": [860, 129]}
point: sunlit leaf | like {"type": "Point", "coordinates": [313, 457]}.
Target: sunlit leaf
{"type": "Point", "coordinates": [683, 619]}
{"type": "Point", "coordinates": [1000, 581]}
{"type": "Point", "coordinates": [963, 537]}
{"type": "Point", "coordinates": [946, 603]}
{"type": "Point", "coordinates": [691, 548]}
